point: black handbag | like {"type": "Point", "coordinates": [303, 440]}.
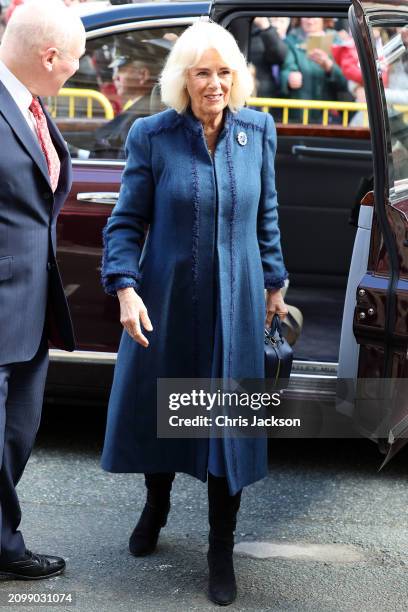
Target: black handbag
{"type": "Point", "coordinates": [278, 356]}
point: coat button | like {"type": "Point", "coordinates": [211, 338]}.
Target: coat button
{"type": "Point", "coordinates": [49, 266]}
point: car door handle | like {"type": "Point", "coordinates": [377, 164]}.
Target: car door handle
{"type": "Point", "coordinates": [329, 152]}
{"type": "Point", "coordinates": [99, 197]}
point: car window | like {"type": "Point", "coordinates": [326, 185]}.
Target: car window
{"type": "Point", "coordinates": [117, 82]}
{"type": "Point", "coordinates": [306, 71]}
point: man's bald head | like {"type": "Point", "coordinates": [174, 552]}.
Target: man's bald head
{"type": "Point", "coordinates": [39, 37]}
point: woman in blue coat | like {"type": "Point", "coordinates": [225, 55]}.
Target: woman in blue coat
{"type": "Point", "coordinates": [201, 175]}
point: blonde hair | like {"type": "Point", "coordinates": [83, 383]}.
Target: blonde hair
{"type": "Point", "coordinates": [187, 52]}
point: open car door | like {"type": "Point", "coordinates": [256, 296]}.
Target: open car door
{"type": "Point", "coordinates": [380, 31]}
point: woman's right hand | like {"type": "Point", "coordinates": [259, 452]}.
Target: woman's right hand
{"type": "Point", "coordinates": [133, 314]}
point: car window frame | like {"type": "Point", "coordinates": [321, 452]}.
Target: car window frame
{"type": "Point", "coordinates": [396, 189]}
{"type": "Point", "coordinates": [120, 29]}
{"type": "Point", "coordinates": [314, 9]}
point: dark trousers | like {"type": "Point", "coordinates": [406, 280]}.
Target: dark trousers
{"type": "Point", "coordinates": [21, 399]}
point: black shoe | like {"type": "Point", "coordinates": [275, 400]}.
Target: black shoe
{"type": "Point", "coordinates": [145, 535]}
{"type": "Point", "coordinates": [32, 567]}
{"type": "Point", "coordinates": [222, 586]}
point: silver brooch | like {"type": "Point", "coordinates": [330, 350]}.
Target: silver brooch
{"type": "Point", "coordinates": [242, 138]}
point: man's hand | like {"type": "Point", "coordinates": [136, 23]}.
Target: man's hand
{"type": "Point", "coordinates": [275, 304]}
{"type": "Point", "coordinates": [322, 58]}
{"type": "Point", "coordinates": [295, 80]}
{"type": "Point", "coordinates": [133, 314]}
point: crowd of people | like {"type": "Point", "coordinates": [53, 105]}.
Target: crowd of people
{"type": "Point", "coordinates": [307, 58]}
{"type": "Point", "coordinates": [314, 58]}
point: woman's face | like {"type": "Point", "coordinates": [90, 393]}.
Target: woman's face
{"type": "Point", "coordinates": [312, 25]}
{"type": "Point", "coordinates": [209, 85]}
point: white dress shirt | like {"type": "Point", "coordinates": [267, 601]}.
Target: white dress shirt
{"type": "Point", "coordinates": [19, 92]}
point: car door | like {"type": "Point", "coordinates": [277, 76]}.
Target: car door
{"type": "Point", "coordinates": [89, 113]}
{"type": "Point", "coordinates": [380, 300]}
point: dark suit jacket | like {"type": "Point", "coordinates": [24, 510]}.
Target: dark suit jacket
{"type": "Point", "coordinates": [109, 141]}
{"type": "Point", "coordinates": [31, 292]}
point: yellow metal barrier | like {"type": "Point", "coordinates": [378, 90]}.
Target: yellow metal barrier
{"type": "Point", "coordinates": [306, 105]}
{"type": "Point", "coordinates": [265, 104]}
{"type": "Point", "coordinates": [89, 95]}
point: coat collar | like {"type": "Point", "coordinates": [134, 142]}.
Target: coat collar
{"type": "Point", "coordinates": [195, 125]}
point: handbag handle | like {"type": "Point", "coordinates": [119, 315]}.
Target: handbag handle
{"type": "Point", "coordinates": [276, 327]}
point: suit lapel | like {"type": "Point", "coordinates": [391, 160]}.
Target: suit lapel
{"type": "Point", "coordinates": [13, 116]}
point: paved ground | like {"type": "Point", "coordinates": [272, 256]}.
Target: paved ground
{"type": "Point", "coordinates": [317, 493]}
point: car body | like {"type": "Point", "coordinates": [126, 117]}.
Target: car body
{"type": "Point", "coordinates": [350, 281]}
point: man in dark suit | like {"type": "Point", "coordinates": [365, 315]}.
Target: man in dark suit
{"type": "Point", "coordinates": [40, 50]}
{"type": "Point", "coordinates": [134, 80]}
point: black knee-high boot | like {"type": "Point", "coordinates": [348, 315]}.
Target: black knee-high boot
{"type": "Point", "coordinates": [143, 540]}
{"type": "Point", "coordinates": [222, 516]}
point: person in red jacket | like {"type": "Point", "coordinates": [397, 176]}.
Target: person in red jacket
{"type": "Point", "coordinates": [345, 55]}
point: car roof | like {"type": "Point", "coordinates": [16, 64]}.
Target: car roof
{"type": "Point", "coordinates": [125, 13]}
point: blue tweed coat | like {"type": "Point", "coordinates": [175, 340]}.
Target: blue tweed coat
{"type": "Point", "coordinates": [212, 247]}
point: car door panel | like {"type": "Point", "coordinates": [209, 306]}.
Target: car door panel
{"type": "Point", "coordinates": [315, 217]}
{"type": "Point", "coordinates": [80, 226]}
{"type": "Point", "coordinates": [380, 284]}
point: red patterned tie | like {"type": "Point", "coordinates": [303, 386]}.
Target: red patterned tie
{"type": "Point", "coordinates": [45, 141]}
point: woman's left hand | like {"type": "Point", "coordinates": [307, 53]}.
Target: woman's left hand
{"type": "Point", "coordinates": [275, 304]}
